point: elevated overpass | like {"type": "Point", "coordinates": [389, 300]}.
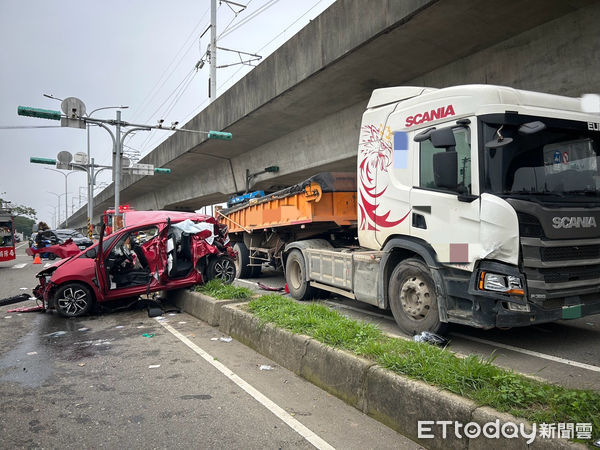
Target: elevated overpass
{"type": "Point", "coordinates": [300, 109]}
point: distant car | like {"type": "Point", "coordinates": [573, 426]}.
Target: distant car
{"type": "Point", "coordinates": [62, 235]}
{"type": "Point", "coordinates": [157, 251]}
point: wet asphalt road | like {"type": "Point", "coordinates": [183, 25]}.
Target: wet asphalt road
{"type": "Point", "coordinates": [92, 382]}
{"type": "Point", "coordinates": [566, 352]}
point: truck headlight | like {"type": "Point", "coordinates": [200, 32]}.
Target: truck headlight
{"type": "Point", "coordinates": [506, 284]}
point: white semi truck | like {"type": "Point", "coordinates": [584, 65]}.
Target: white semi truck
{"type": "Point", "coordinates": [475, 204]}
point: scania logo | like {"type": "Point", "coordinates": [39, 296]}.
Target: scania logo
{"type": "Point", "coordinates": [574, 222]}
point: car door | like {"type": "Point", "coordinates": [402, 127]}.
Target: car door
{"type": "Point", "coordinates": [129, 266]}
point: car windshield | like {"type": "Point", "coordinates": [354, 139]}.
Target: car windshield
{"type": "Point", "coordinates": [559, 161]}
{"type": "Point", "coordinates": [68, 234]}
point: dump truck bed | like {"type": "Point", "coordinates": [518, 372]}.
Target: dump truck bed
{"type": "Point", "coordinates": [326, 197]}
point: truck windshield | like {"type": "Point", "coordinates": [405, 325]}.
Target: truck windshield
{"type": "Point", "coordinates": [558, 163]}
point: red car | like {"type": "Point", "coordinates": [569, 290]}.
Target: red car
{"type": "Point", "coordinates": [156, 251]}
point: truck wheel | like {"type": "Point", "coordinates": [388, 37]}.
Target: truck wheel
{"type": "Point", "coordinates": [73, 300]}
{"type": "Point", "coordinates": [413, 299]}
{"type": "Point", "coordinates": [295, 277]}
{"type": "Point", "coordinates": [242, 270]}
{"type": "Point", "coordinates": [222, 268]}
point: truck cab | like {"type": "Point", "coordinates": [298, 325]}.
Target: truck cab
{"type": "Point", "coordinates": [489, 197]}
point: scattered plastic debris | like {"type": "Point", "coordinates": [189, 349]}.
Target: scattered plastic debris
{"type": "Point", "coordinates": [7, 317]}
{"type": "Point", "coordinates": [172, 314]}
{"type": "Point", "coordinates": [31, 353]}
{"type": "Point", "coordinates": [181, 323]}
{"type": "Point", "coordinates": [161, 318]}
{"type": "Point", "coordinates": [31, 298]}
{"type": "Point", "coordinates": [226, 339]}
{"type": "Point", "coordinates": [81, 364]}
{"type": "Point", "coordinates": [430, 338]}
{"type": "Point", "coordinates": [83, 329]}
{"type": "Point", "coordinates": [148, 335]}
{"type": "Point", "coordinates": [214, 339]}
{"type": "Point", "coordinates": [264, 287]}
{"type": "Point", "coordinates": [23, 289]}
{"type": "Point", "coordinates": [120, 326]}
{"type": "Point", "coordinates": [153, 366]}
{"type": "Point", "coordinates": [56, 334]}
{"type": "Point", "coordinates": [265, 367]}
{"type": "Point", "coordinates": [587, 323]}
{"type": "Point", "coordinates": [26, 309]}
{"type": "Point", "coordinates": [141, 326]}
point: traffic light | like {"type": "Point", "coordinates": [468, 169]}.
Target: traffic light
{"type": "Point", "coordinates": [161, 170]}
{"type": "Point", "coordinates": [36, 160]}
{"type": "Point", "coordinates": [38, 112]}
{"type": "Point", "coordinates": [222, 135]}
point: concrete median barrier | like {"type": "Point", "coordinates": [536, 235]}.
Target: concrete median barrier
{"type": "Point", "coordinates": [395, 400]}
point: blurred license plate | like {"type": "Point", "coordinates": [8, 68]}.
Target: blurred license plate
{"type": "Point", "coordinates": [82, 247]}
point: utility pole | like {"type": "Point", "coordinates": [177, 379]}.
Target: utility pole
{"type": "Point", "coordinates": [212, 87]}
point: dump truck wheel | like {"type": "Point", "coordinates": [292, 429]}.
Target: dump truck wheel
{"type": "Point", "coordinates": [242, 270]}
{"type": "Point", "coordinates": [295, 277]}
{"type": "Point", "coordinates": [413, 299]}
{"type": "Point", "coordinates": [73, 300]}
{"type": "Point", "coordinates": [222, 268]}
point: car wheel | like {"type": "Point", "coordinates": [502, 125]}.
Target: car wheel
{"type": "Point", "coordinates": [296, 279]}
{"type": "Point", "coordinates": [413, 298]}
{"type": "Point", "coordinates": [221, 268]}
{"type": "Point", "coordinates": [73, 300]}
{"type": "Point", "coordinates": [51, 256]}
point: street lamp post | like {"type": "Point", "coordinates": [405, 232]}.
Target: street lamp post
{"type": "Point", "coordinates": [58, 196]}
{"type": "Point", "coordinates": [90, 205]}
{"type": "Point", "coordinates": [66, 175]}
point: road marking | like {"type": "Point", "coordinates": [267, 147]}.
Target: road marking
{"type": "Point", "coordinates": [19, 246]}
{"type": "Point", "coordinates": [251, 283]}
{"type": "Point", "coordinates": [303, 431]}
{"type": "Point", "coordinates": [530, 352]}
{"type": "Point", "coordinates": [19, 266]}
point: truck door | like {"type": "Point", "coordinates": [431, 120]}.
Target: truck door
{"type": "Point", "coordinates": [444, 202]}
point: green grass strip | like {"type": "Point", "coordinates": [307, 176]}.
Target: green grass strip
{"type": "Point", "coordinates": [471, 377]}
{"type": "Point", "coordinates": [216, 288]}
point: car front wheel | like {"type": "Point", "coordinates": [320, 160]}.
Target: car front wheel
{"type": "Point", "coordinates": [73, 300]}
{"type": "Point", "coordinates": [222, 268]}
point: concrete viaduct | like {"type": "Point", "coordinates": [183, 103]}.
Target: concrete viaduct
{"type": "Point", "coordinates": [300, 109]}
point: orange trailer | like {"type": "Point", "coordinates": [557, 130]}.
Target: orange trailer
{"type": "Point", "coordinates": [322, 205]}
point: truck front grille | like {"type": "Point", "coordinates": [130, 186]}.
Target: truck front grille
{"type": "Point", "coordinates": [567, 253]}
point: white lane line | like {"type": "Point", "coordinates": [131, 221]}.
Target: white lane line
{"type": "Point", "coordinates": [530, 352]}
{"type": "Point", "coordinates": [303, 431]}
{"type": "Point", "coordinates": [250, 283]}
{"type": "Point", "coordinates": [22, 245]}
{"type": "Point", "coordinates": [19, 266]}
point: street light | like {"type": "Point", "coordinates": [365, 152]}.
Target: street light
{"type": "Point", "coordinates": [66, 175]}
{"type": "Point", "coordinates": [58, 196]}
{"type": "Point", "coordinates": [91, 181]}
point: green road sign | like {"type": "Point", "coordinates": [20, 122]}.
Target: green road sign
{"type": "Point", "coordinates": [161, 170]}
{"type": "Point", "coordinates": [38, 112]}
{"type": "Point", "coordinates": [222, 135]}
{"type": "Point", "coordinates": [36, 160]}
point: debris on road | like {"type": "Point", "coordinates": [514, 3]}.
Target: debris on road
{"type": "Point", "coordinates": [265, 367]}
{"type": "Point", "coordinates": [14, 299]}
{"type": "Point", "coordinates": [153, 366]}
{"type": "Point", "coordinates": [214, 339]}
{"type": "Point", "coordinates": [31, 353]}
{"type": "Point", "coordinates": [56, 334]}
{"type": "Point", "coordinates": [83, 329]}
{"type": "Point", "coordinates": [148, 335]}
{"type": "Point", "coordinates": [264, 287]}
{"type": "Point", "coordinates": [27, 309]}
{"type": "Point", "coordinates": [226, 339]}
{"type": "Point", "coordinates": [430, 338]}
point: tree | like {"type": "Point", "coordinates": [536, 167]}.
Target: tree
{"type": "Point", "coordinates": [23, 225]}
{"type": "Point", "coordinates": [19, 210]}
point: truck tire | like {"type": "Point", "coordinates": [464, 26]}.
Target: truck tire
{"type": "Point", "coordinates": [413, 299]}
{"type": "Point", "coordinates": [242, 270]}
{"type": "Point", "coordinates": [295, 277]}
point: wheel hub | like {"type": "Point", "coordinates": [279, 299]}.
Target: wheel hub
{"type": "Point", "coordinates": [73, 301]}
{"type": "Point", "coordinates": [415, 298]}
{"type": "Point", "coordinates": [225, 270]}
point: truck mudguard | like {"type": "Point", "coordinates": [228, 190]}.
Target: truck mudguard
{"type": "Point", "coordinates": [319, 244]}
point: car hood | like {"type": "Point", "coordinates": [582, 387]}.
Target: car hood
{"type": "Point", "coordinates": [48, 270]}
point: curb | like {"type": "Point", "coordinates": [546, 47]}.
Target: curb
{"type": "Point", "coordinates": [397, 401]}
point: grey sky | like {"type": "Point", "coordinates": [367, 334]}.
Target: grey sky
{"type": "Point", "coordinates": [114, 53]}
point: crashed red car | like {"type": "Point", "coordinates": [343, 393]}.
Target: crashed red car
{"type": "Point", "coordinates": [156, 251]}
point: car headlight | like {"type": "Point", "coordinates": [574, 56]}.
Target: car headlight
{"type": "Point", "coordinates": [506, 284]}
{"type": "Point", "coordinates": [47, 278]}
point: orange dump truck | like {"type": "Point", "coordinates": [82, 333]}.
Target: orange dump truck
{"type": "Point", "coordinates": [323, 206]}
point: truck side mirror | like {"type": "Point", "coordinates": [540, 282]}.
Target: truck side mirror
{"type": "Point", "coordinates": [445, 170]}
